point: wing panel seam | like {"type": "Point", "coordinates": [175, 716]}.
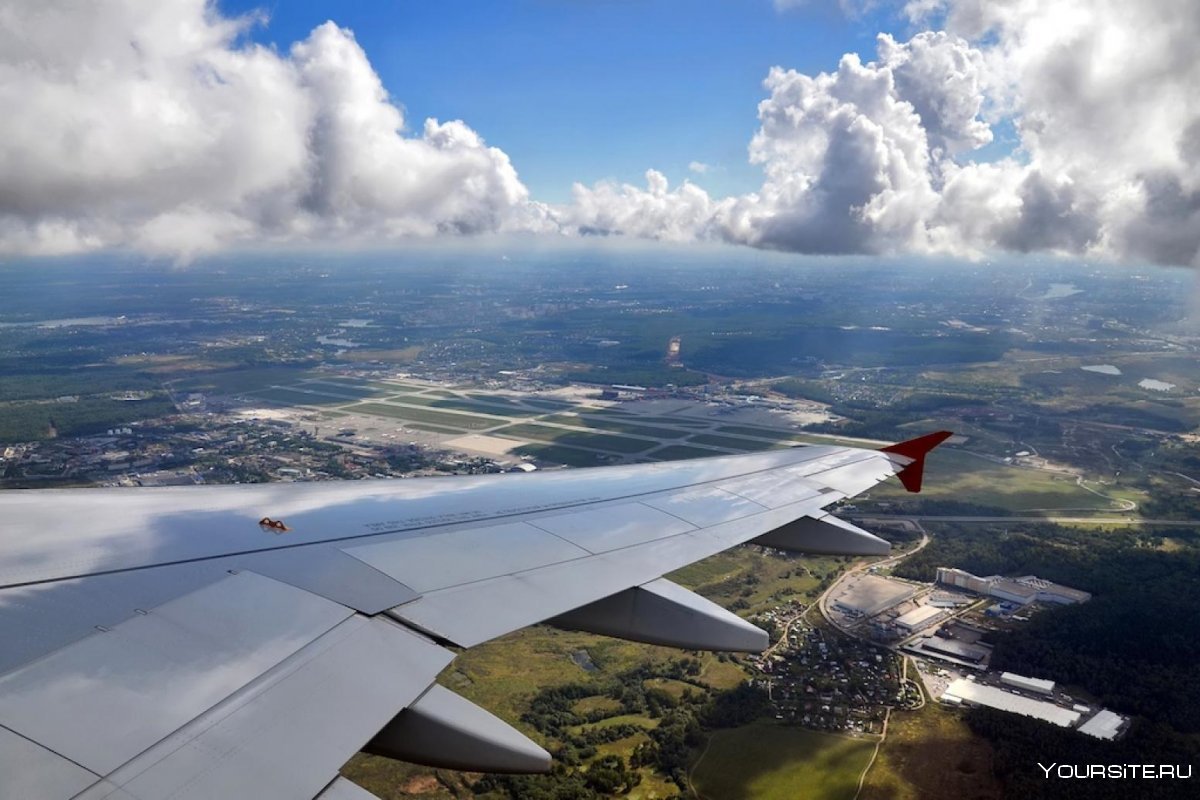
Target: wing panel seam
{"type": "Point", "coordinates": [49, 749]}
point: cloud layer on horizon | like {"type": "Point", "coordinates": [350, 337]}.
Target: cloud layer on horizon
{"type": "Point", "coordinates": [156, 126]}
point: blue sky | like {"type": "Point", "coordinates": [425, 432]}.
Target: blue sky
{"type": "Point", "coordinates": [583, 90]}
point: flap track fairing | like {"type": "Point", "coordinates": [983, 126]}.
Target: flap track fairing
{"type": "Point", "coordinates": [824, 535]}
{"type": "Point", "coordinates": [442, 729]}
{"type": "Point", "coordinates": [664, 613]}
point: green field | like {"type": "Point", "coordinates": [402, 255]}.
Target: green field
{"type": "Point", "coordinates": [679, 452]}
{"type": "Point", "coordinates": [407, 413]}
{"type": "Point", "coordinates": [393, 386]}
{"type": "Point", "coordinates": [640, 720]}
{"type": "Point", "coordinates": [687, 422]}
{"type": "Point", "coordinates": [762, 433]}
{"type": "Point", "coordinates": [764, 761]}
{"type": "Point", "coordinates": [553, 405]}
{"type": "Point", "coordinates": [242, 380]}
{"type": "Point", "coordinates": [343, 388]}
{"type": "Point", "coordinates": [459, 404]}
{"type": "Point", "coordinates": [619, 426]}
{"type": "Point", "coordinates": [570, 456]}
{"type": "Point", "coordinates": [956, 475]}
{"type": "Point", "coordinates": [931, 754]}
{"type": "Point", "coordinates": [732, 443]}
{"type": "Point", "coordinates": [594, 441]}
{"type": "Point", "coordinates": [671, 686]}
{"type": "Point", "coordinates": [294, 397]}
{"type": "Point", "coordinates": [497, 399]}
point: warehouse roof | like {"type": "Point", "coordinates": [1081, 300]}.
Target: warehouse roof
{"type": "Point", "coordinates": [1105, 725]}
{"type": "Point", "coordinates": [918, 615]}
{"type": "Point", "coordinates": [981, 695]}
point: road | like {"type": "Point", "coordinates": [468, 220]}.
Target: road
{"type": "Point", "coordinates": [1097, 520]}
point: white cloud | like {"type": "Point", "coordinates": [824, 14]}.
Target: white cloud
{"type": "Point", "coordinates": [656, 212]}
{"type": "Point", "coordinates": [154, 124]}
{"type": "Point", "coordinates": [149, 123]}
{"type": "Point", "coordinates": [1104, 94]}
{"type": "Point", "coordinates": [877, 157]}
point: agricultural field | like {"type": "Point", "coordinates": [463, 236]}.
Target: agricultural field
{"type": "Point", "coordinates": [765, 761]}
{"type": "Point", "coordinates": [931, 754]}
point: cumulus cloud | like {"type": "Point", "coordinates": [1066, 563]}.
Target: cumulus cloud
{"type": "Point", "coordinates": [656, 212]}
{"type": "Point", "coordinates": [880, 157]}
{"type": "Point", "coordinates": [156, 125]}
{"type": "Point", "coordinates": [846, 158]}
{"type": "Point", "coordinates": [153, 124]}
{"type": "Point", "coordinates": [699, 167]}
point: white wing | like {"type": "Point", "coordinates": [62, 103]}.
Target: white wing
{"type": "Point", "coordinates": [245, 641]}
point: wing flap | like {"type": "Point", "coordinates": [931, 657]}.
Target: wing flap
{"type": "Point", "coordinates": [286, 735]}
{"type": "Point", "coordinates": [108, 697]}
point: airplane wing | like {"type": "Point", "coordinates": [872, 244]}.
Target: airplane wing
{"type": "Point", "coordinates": [246, 641]}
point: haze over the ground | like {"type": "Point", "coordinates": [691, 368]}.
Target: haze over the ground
{"type": "Point", "coordinates": [163, 126]}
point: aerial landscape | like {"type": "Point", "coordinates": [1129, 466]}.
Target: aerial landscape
{"type": "Point", "coordinates": [1071, 463]}
{"type": "Point", "coordinates": [363, 303]}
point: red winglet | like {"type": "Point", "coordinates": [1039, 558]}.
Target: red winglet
{"type": "Point", "coordinates": [916, 449]}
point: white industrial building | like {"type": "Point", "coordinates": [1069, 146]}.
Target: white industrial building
{"type": "Point", "coordinates": [972, 693]}
{"type": "Point", "coordinates": [1012, 591]}
{"type": "Point", "coordinates": [1023, 590]}
{"type": "Point", "coordinates": [869, 594]}
{"type": "Point", "coordinates": [1039, 685]}
{"type": "Point", "coordinates": [1105, 725]}
{"type": "Point", "coordinates": [920, 617]}
{"type": "Point", "coordinates": [1049, 592]}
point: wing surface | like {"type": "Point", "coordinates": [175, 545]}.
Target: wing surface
{"type": "Point", "coordinates": [245, 641]}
